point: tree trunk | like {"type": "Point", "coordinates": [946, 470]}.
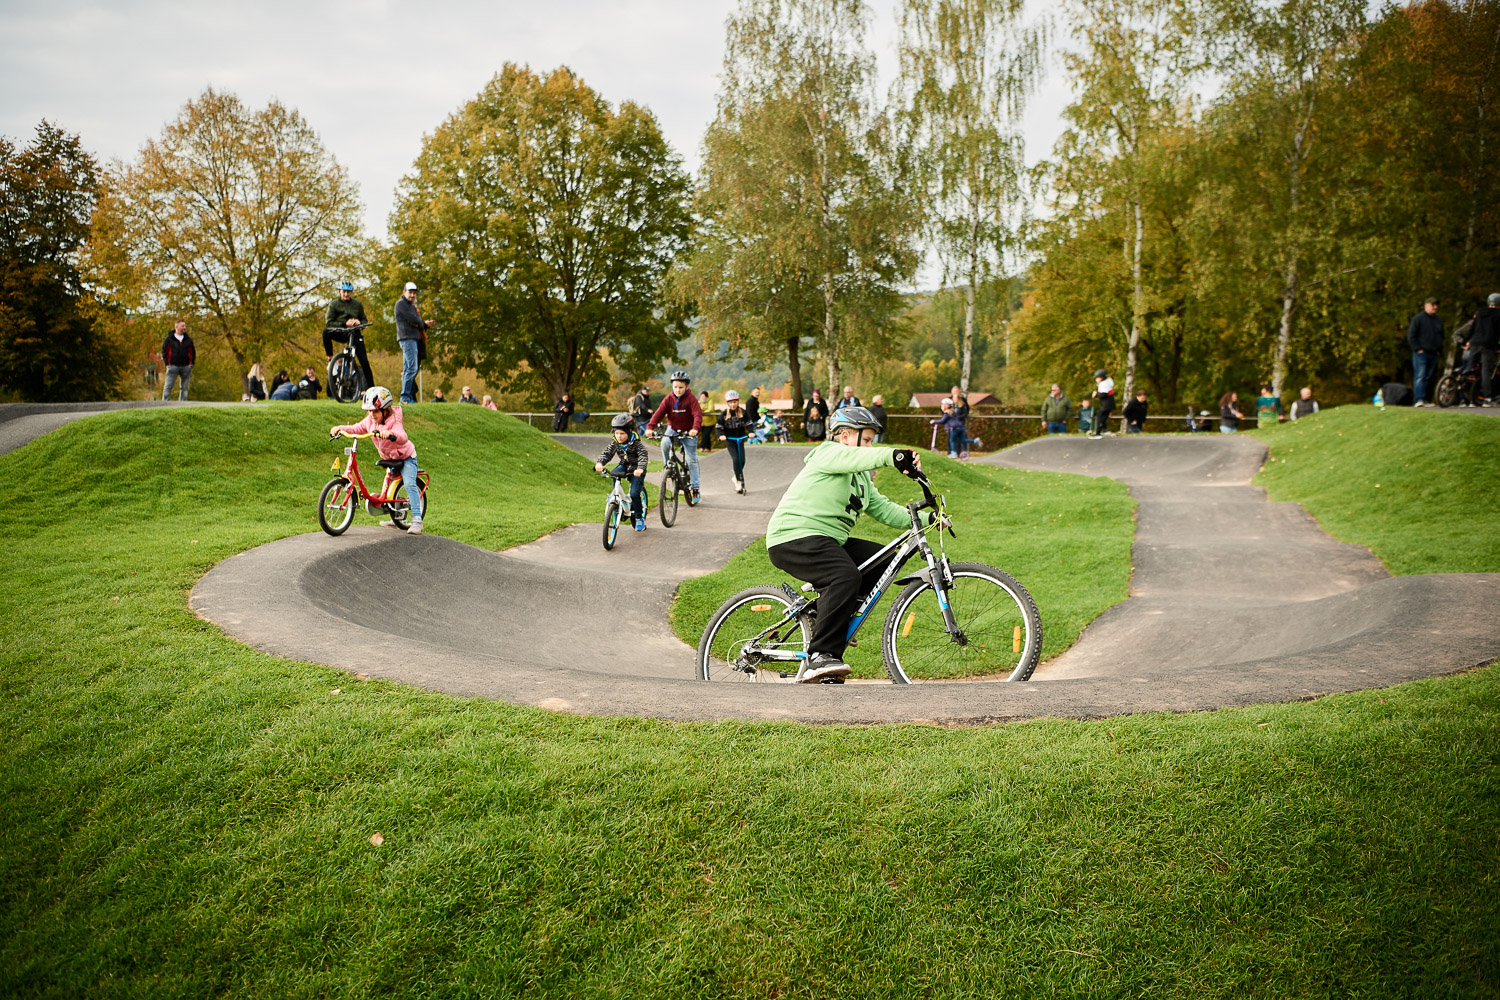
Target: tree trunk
{"type": "Point", "coordinates": [1138, 297]}
{"type": "Point", "coordinates": [1284, 337]}
{"type": "Point", "coordinates": [795, 366]}
{"type": "Point", "coordinates": [968, 345]}
{"type": "Point", "coordinates": [830, 338]}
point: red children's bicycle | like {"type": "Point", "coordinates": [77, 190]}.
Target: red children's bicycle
{"type": "Point", "coordinates": [345, 492]}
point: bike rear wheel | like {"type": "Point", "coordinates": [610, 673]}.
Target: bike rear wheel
{"type": "Point", "coordinates": [344, 379]}
{"type": "Point", "coordinates": [400, 506]}
{"type": "Point", "coordinates": [726, 653]}
{"type": "Point", "coordinates": [611, 524]}
{"type": "Point", "coordinates": [1446, 392]}
{"type": "Point", "coordinates": [666, 504]}
{"type": "Point", "coordinates": [336, 506]}
{"type": "Point", "coordinates": [1001, 631]}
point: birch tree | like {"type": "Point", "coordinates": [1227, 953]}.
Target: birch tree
{"type": "Point", "coordinates": [967, 68]}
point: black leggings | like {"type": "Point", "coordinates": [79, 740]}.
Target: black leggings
{"type": "Point", "coordinates": [834, 570]}
{"type": "Point", "coordinates": [737, 456]}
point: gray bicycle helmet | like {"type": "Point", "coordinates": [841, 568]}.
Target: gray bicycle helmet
{"type": "Point", "coordinates": [1101, 373]}
{"type": "Point", "coordinates": [681, 376]}
{"type": "Point", "coordinates": [1494, 300]}
{"type": "Point", "coordinates": [622, 422]}
{"type": "Point", "coordinates": [856, 417]}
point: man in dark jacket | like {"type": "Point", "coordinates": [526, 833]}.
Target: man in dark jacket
{"type": "Point", "coordinates": [178, 353]}
{"type": "Point", "coordinates": [877, 410]}
{"type": "Point", "coordinates": [344, 312]}
{"type": "Point", "coordinates": [1484, 336]}
{"type": "Point", "coordinates": [308, 385]}
{"type": "Point", "coordinates": [409, 329]}
{"type": "Point", "coordinates": [640, 409]}
{"type": "Point", "coordinates": [1425, 337]}
{"type": "Point", "coordinates": [1135, 413]}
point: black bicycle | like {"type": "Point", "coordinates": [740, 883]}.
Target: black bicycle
{"type": "Point", "coordinates": [346, 382]}
{"type": "Point", "coordinates": [674, 479]}
{"type": "Point", "coordinates": [950, 619]}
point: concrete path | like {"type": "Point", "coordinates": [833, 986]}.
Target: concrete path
{"type": "Point", "coordinates": [1235, 601]}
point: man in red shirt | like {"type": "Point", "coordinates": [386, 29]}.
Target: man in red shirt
{"type": "Point", "coordinates": [684, 417]}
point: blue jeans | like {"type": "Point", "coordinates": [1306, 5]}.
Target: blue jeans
{"type": "Point", "coordinates": [1423, 368]}
{"type": "Point", "coordinates": [955, 440]}
{"type": "Point", "coordinates": [690, 445]}
{"type": "Point", "coordinates": [409, 477]}
{"type": "Point", "coordinates": [637, 491]}
{"type": "Point", "coordinates": [408, 371]}
{"type": "Point", "coordinates": [1225, 428]}
{"type": "Point", "coordinates": [1057, 427]}
{"type": "Point", "coordinates": [737, 456]}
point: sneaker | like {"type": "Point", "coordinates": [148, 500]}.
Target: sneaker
{"type": "Point", "coordinates": [640, 524]}
{"type": "Point", "coordinates": [696, 495]}
{"type": "Point", "coordinates": [416, 527]}
{"type": "Point", "coordinates": [387, 524]}
{"type": "Point", "coordinates": [822, 666]}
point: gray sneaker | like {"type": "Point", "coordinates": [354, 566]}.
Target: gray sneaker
{"type": "Point", "coordinates": [416, 527]}
{"type": "Point", "coordinates": [822, 666]}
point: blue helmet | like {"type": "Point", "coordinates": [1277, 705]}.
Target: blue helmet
{"type": "Point", "coordinates": [346, 285]}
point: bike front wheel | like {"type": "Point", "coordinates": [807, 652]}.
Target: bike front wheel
{"type": "Point", "coordinates": [745, 627]}
{"type": "Point", "coordinates": [343, 379]}
{"type": "Point", "coordinates": [400, 507]}
{"type": "Point", "coordinates": [999, 629]}
{"type": "Point", "coordinates": [611, 524]}
{"type": "Point", "coordinates": [1446, 392]}
{"type": "Point", "coordinates": [666, 504]}
{"type": "Point", "coordinates": [336, 506]}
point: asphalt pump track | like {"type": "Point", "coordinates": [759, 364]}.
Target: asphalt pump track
{"type": "Point", "coordinates": [1234, 600]}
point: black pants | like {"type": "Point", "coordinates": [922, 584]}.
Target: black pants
{"type": "Point", "coordinates": [1101, 419]}
{"type": "Point", "coordinates": [834, 570]}
{"type": "Point", "coordinates": [1486, 359]}
{"type": "Point", "coordinates": [359, 351]}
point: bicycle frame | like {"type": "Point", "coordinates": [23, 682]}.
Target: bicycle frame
{"type": "Point", "coordinates": [910, 542]}
{"type": "Point", "coordinates": [351, 473]}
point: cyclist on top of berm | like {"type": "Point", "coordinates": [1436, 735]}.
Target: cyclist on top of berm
{"type": "Point", "coordinates": [808, 536]}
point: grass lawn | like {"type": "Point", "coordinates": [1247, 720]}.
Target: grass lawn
{"type": "Point", "coordinates": [186, 817]}
{"type": "Point", "coordinates": [1065, 538]}
{"type": "Point", "coordinates": [1416, 487]}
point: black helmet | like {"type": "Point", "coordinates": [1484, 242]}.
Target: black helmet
{"type": "Point", "coordinates": [681, 376]}
{"type": "Point", "coordinates": [622, 422]}
{"type": "Point", "coordinates": [856, 417]}
{"type": "Point", "coordinates": [1101, 373]}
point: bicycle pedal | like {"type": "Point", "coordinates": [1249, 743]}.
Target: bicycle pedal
{"type": "Point", "coordinates": [832, 680]}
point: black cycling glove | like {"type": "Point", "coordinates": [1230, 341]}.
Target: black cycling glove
{"type": "Point", "coordinates": [905, 460]}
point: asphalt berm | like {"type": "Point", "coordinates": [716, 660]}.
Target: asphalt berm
{"type": "Point", "coordinates": [1235, 600]}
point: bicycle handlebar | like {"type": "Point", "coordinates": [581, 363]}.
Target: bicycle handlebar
{"type": "Point", "coordinates": [346, 329]}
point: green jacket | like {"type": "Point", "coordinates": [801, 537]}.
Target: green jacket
{"type": "Point", "coordinates": [821, 500]}
{"type": "Point", "coordinates": [1057, 410]}
{"type": "Point", "coordinates": [341, 312]}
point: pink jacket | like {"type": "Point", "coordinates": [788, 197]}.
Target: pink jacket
{"type": "Point", "coordinates": [397, 446]}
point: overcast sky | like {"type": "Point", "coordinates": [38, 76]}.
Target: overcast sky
{"type": "Point", "coordinates": [372, 76]}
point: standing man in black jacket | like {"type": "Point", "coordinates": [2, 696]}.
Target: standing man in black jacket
{"type": "Point", "coordinates": [178, 354]}
{"type": "Point", "coordinates": [1484, 337]}
{"type": "Point", "coordinates": [1425, 337]}
{"type": "Point", "coordinates": [409, 328]}
{"type": "Point", "coordinates": [343, 312]}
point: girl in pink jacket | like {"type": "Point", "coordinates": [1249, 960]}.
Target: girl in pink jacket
{"type": "Point", "coordinates": [383, 421]}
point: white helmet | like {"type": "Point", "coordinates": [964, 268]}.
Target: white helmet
{"type": "Point", "coordinates": [731, 396]}
{"type": "Point", "coordinates": [377, 397]}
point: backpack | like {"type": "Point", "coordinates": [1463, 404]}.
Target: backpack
{"type": "Point", "coordinates": [1396, 394]}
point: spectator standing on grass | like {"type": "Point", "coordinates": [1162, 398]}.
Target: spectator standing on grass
{"type": "Point", "coordinates": [410, 327]}
{"type": "Point", "coordinates": [1056, 409]}
{"type": "Point", "coordinates": [815, 417]}
{"type": "Point", "coordinates": [562, 413]}
{"type": "Point", "coordinates": [1104, 395]}
{"type": "Point", "coordinates": [1229, 412]}
{"type": "Point", "coordinates": [640, 408]}
{"type": "Point", "coordinates": [1425, 337]}
{"type": "Point", "coordinates": [467, 396]}
{"type": "Point", "coordinates": [1135, 413]}
{"type": "Point", "coordinates": [180, 356]}
{"type": "Point", "coordinates": [710, 419]}
{"type": "Point", "coordinates": [1268, 408]}
{"type": "Point", "coordinates": [849, 399]}
{"type": "Point", "coordinates": [1085, 416]}
{"type": "Point", "coordinates": [1305, 406]}
{"type": "Point", "coordinates": [877, 410]}
{"type": "Point", "coordinates": [1484, 337]}
{"type": "Point", "coordinates": [752, 407]}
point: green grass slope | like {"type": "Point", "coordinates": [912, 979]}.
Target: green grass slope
{"type": "Point", "coordinates": [1416, 487]}
{"type": "Point", "coordinates": [1065, 538]}
{"type": "Point", "coordinates": [185, 817]}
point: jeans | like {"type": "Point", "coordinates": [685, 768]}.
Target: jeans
{"type": "Point", "coordinates": [637, 492]}
{"type": "Point", "coordinates": [181, 374]}
{"type": "Point", "coordinates": [1423, 367]}
{"type": "Point", "coordinates": [737, 457]}
{"type": "Point", "coordinates": [955, 441]}
{"type": "Point", "coordinates": [690, 446]}
{"type": "Point", "coordinates": [1225, 428]}
{"type": "Point", "coordinates": [413, 490]}
{"type": "Point", "coordinates": [1132, 428]}
{"type": "Point", "coordinates": [408, 371]}
{"type": "Point", "coordinates": [1057, 427]}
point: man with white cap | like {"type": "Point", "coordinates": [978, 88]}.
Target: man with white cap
{"type": "Point", "coordinates": [409, 328]}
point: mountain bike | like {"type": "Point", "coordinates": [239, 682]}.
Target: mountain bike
{"type": "Point", "coordinates": [617, 505]}
{"type": "Point", "coordinates": [674, 480]}
{"type": "Point", "coordinates": [345, 379]}
{"type": "Point", "coordinates": [343, 493]}
{"type": "Point", "coordinates": [950, 618]}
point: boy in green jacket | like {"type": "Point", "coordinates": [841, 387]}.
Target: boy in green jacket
{"type": "Point", "coordinates": [809, 533]}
